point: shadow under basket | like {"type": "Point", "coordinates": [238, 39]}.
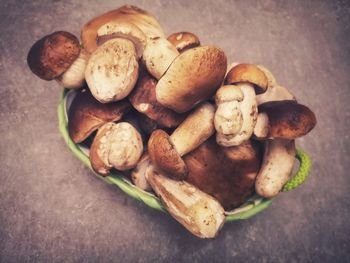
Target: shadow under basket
{"type": "Point", "coordinates": [251, 207]}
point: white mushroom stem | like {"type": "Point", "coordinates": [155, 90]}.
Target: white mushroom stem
{"type": "Point", "coordinates": [74, 76]}
{"type": "Point", "coordinates": [197, 211]}
{"type": "Point", "coordinates": [275, 93]}
{"type": "Point", "coordinates": [249, 111]}
{"type": "Point", "coordinates": [138, 174]}
{"type": "Point", "coordinates": [276, 168]}
{"type": "Point", "coordinates": [261, 129]}
{"type": "Point", "coordinates": [195, 129]}
{"type": "Point", "coordinates": [158, 55]}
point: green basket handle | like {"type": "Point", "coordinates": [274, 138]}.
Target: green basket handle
{"type": "Point", "coordinates": [246, 211]}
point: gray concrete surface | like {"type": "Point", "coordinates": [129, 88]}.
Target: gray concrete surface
{"type": "Point", "coordinates": [52, 209]}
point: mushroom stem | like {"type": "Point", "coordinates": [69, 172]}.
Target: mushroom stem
{"type": "Point", "coordinates": [276, 168]}
{"type": "Point", "coordinates": [261, 129]}
{"type": "Point", "coordinates": [195, 129]}
{"type": "Point", "coordinates": [197, 211]}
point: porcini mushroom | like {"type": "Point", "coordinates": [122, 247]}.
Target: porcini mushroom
{"type": "Point", "coordinates": [197, 211]}
{"type": "Point", "coordinates": [58, 56]}
{"type": "Point", "coordinates": [184, 41]}
{"type": "Point", "coordinates": [125, 14]}
{"type": "Point", "coordinates": [250, 80]}
{"type": "Point", "coordinates": [112, 70]}
{"type": "Point", "coordinates": [226, 173]}
{"type": "Point", "coordinates": [287, 119]}
{"type": "Point", "coordinates": [125, 30]}
{"type": "Point", "coordinates": [86, 115]}
{"type": "Point", "coordinates": [158, 55]}
{"type": "Point", "coordinates": [276, 168]}
{"type": "Point", "coordinates": [143, 99]}
{"type": "Point", "coordinates": [117, 145]}
{"type": "Point", "coordinates": [166, 151]}
{"type": "Point", "coordinates": [138, 174]}
{"type": "Point", "coordinates": [193, 76]}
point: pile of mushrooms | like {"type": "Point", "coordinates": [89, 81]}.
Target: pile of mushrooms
{"type": "Point", "coordinates": [170, 114]}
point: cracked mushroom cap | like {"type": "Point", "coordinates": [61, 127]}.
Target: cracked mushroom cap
{"type": "Point", "coordinates": [193, 76]}
{"type": "Point", "coordinates": [184, 40]}
{"type": "Point", "coordinates": [248, 73]}
{"type": "Point", "coordinates": [148, 24]}
{"type": "Point", "coordinates": [53, 54]}
{"type": "Point", "coordinates": [164, 155]}
{"type": "Point", "coordinates": [86, 115]}
{"type": "Point", "coordinates": [125, 30]}
{"type": "Point", "coordinates": [288, 119]}
{"type": "Point", "coordinates": [116, 145]}
{"type": "Point", "coordinates": [143, 99]}
{"type": "Point", "coordinates": [226, 173]}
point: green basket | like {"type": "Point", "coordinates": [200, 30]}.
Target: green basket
{"type": "Point", "coordinates": [251, 207]}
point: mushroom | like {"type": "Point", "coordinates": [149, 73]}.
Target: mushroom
{"type": "Point", "coordinates": [143, 99]}
{"type": "Point", "coordinates": [275, 92]}
{"type": "Point", "coordinates": [112, 70]}
{"type": "Point", "coordinates": [278, 161]}
{"type": "Point", "coordinates": [184, 41]}
{"type": "Point", "coordinates": [158, 55]}
{"type": "Point", "coordinates": [147, 125]}
{"type": "Point", "coordinates": [147, 23]}
{"type": "Point", "coordinates": [226, 173]}
{"type": "Point", "coordinates": [166, 151]}
{"type": "Point", "coordinates": [58, 56]}
{"type": "Point", "coordinates": [197, 211]}
{"type": "Point", "coordinates": [125, 30]}
{"type": "Point", "coordinates": [193, 76]}
{"type": "Point", "coordinates": [138, 174]}
{"type": "Point", "coordinates": [117, 145]}
{"type": "Point", "coordinates": [285, 119]}
{"type": "Point", "coordinates": [250, 80]}
{"type": "Point", "coordinates": [86, 115]}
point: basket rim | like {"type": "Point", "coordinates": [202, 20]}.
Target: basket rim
{"type": "Point", "coordinates": [249, 209]}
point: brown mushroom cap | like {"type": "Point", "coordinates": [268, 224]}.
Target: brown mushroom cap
{"type": "Point", "coordinates": [288, 119]}
{"type": "Point", "coordinates": [248, 73]}
{"type": "Point", "coordinates": [86, 115]}
{"type": "Point", "coordinates": [127, 13]}
{"type": "Point", "coordinates": [184, 40]}
{"type": "Point", "coordinates": [226, 173]}
{"type": "Point", "coordinates": [53, 54]}
{"type": "Point", "coordinates": [193, 76]}
{"type": "Point", "coordinates": [164, 155]}
{"type": "Point", "coordinates": [143, 99]}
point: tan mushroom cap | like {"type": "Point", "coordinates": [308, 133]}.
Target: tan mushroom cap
{"type": "Point", "coordinates": [288, 119]}
{"type": "Point", "coordinates": [226, 173]}
{"type": "Point", "coordinates": [184, 40]}
{"type": "Point", "coordinates": [127, 13]}
{"type": "Point", "coordinates": [53, 54]}
{"type": "Point", "coordinates": [248, 73]}
{"type": "Point", "coordinates": [86, 115]}
{"type": "Point", "coordinates": [165, 156]}
{"type": "Point", "coordinates": [193, 76]}
{"type": "Point", "coordinates": [143, 99]}
{"type": "Point", "coordinates": [125, 30]}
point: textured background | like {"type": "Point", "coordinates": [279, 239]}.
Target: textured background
{"type": "Point", "coordinates": [53, 210]}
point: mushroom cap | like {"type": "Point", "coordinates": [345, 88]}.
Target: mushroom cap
{"type": "Point", "coordinates": [125, 30]}
{"type": "Point", "coordinates": [193, 76]}
{"type": "Point", "coordinates": [53, 54]}
{"type": "Point", "coordinates": [147, 125]}
{"type": "Point", "coordinates": [143, 99]}
{"type": "Point", "coordinates": [112, 70]}
{"type": "Point", "coordinates": [226, 173]}
{"type": "Point", "coordinates": [165, 157]}
{"type": "Point", "coordinates": [115, 145]}
{"type": "Point", "coordinates": [86, 115]}
{"type": "Point", "coordinates": [288, 119]}
{"type": "Point", "coordinates": [127, 13]}
{"type": "Point", "coordinates": [248, 73]}
{"type": "Point", "coordinates": [184, 40]}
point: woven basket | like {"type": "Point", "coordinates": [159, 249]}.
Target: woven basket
{"type": "Point", "coordinates": [251, 207]}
